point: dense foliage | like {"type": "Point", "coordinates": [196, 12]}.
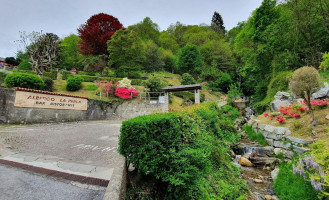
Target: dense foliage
{"type": "Point", "coordinates": [292, 187]}
{"type": "Point", "coordinates": [182, 150]}
{"type": "Point", "coordinates": [74, 83]}
{"type": "Point", "coordinates": [96, 32]}
{"type": "Point", "coordinates": [24, 80]}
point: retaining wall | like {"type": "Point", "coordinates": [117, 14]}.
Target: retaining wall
{"type": "Point", "coordinates": [279, 137]}
{"type": "Point", "coordinates": [97, 110]}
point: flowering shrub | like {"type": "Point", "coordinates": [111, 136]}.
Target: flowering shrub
{"type": "Point", "coordinates": [309, 169]}
{"type": "Point", "coordinates": [108, 87]}
{"type": "Point", "coordinates": [319, 102]}
{"type": "Point", "coordinates": [280, 119]}
{"type": "Point", "coordinates": [126, 93]}
{"type": "Point", "coordinates": [125, 83]}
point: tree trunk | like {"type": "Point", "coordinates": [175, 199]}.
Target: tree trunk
{"type": "Point", "coordinates": [308, 103]}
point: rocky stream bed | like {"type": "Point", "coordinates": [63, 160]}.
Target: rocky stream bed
{"type": "Point", "coordinates": [257, 165]}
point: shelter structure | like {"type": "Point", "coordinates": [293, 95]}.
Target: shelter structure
{"type": "Point", "coordinates": [195, 87]}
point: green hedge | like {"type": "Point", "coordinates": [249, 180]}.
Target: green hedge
{"type": "Point", "coordinates": [87, 78]}
{"type": "Point", "coordinates": [52, 74]}
{"type": "Point", "coordinates": [65, 74]}
{"type": "Point", "coordinates": [49, 83]}
{"type": "Point", "coordinates": [74, 83]}
{"type": "Point", "coordinates": [23, 80]}
{"type": "Point", "coordinates": [28, 72]}
{"type": "Point", "coordinates": [182, 150]}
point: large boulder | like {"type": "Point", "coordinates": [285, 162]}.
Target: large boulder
{"type": "Point", "coordinates": [323, 92]}
{"type": "Point", "coordinates": [245, 162]}
{"type": "Point", "coordinates": [281, 99]}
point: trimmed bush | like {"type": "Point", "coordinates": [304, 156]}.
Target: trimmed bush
{"type": "Point", "coordinates": [130, 72]}
{"type": "Point", "coordinates": [49, 83]}
{"type": "Point", "coordinates": [52, 74]}
{"type": "Point", "coordinates": [182, 150]}
{"type": "Point", "coordinates": [137, 82]}
{"type": "Point", "coordinates": [74, 83]}
{"type": "Point", "coordinates": [87, 78]}
{"type": "Point", "coordinates": [23, 80]}
{"type": "Point", "coordinates": [65, 74]}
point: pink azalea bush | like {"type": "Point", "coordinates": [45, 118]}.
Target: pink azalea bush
{"type": "Point", "coordinates": [126, 93]}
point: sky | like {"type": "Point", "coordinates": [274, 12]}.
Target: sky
{"type": "Point", "coordinates": [63, 17]}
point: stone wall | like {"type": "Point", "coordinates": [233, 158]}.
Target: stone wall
{"type": "Point", "coordinates": [97, 110]}
{"type": "Point", "coordinates": [279, 137]}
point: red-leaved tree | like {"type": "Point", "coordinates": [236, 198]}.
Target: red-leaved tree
{"type": "Point", "coordinates": [96, 32]}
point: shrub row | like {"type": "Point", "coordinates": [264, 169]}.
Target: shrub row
{"type": "Point", "coordinates": [65, 74]}
{"type": "Point", "coordinates": [52, 74]}
{"type": "Point", "coordinates": [183, 149]}
{"type": "Point", "coordinates": [23, 80]}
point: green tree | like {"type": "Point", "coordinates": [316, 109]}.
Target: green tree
{"type": "Point", "coordinates": [190, 60]}
{"type": "Point", "coordinates": [146, 30]}
{"type": "Point", "coordinates": [70, 55]}
{"type": "Point", "coordinates": [303, 83]}
{"type": "Point", "coordinates": [126, 49]}
{"type": "Point", "coordinates": [168, 41]}
{"type": "Point", "coordinates": [217, 23]}
{"type": "Point", "coordinates": [153, 61]}
{"type": "Point", "coordinates": [187, 79]}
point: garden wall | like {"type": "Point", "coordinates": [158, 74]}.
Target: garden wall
{"type": "Point", "coordinates": [96, 110]}
{"type": "Point", "coordinates": [279, 137]}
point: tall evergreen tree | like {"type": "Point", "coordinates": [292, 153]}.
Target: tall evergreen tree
{"type": "Point", "coordinates": [217, 23]}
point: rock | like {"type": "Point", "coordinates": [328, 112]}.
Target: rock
{"type": "Point", "coordinates": [323, 92]}
{"type": "Point", "coordinates": [315, 123]}
{"type": "Point", "coordinates": [258, 196]}
{"type": "Point", "coordinates": [281, 144]}
{"type": "Point", "coordinates": [261, 126]}
{"type": "Point", "coordinates": [299, 141]}
{"type": "Point", "coordinates": [277, 151]}
{"type": "Point", "coordinates": [256, 180]}
{"type": "Point", "coordinates": [268, 197]}
{"type": "Point", "coordinates": [268, 135]}
{"type": "Point", "coordinates": [246, 155]}
{"type": "Point", "coordinates": [270, 141]}
{"type": "Point", "coordinates": [264, 151]}
{"type": "Point", "coordinates": [269, 128]}
{"type": "Point", "coordinates": [263, 160]}
{"type": "Point", "coordinates": [274, 173]}
{"type": "Point", "coordinates": [300, 150]}
{"type": "Point", "coordinates": [280, 130]}
{"type": "Point", "coordinates": [289, 154]}
{"type": "Point", "coordinates": [245, 162]}
{"type": "Point", "coordinates": [281, 99]}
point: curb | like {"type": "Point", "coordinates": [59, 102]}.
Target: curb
{"type": "Point", "coordinates": [58, 174]}
{"type": "Point", "coordinates": [116, 189]}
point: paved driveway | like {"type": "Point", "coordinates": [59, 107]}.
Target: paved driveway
{"type": "Point", "coordinates": [87, 149]}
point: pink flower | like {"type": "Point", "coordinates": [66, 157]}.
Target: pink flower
{"type": "Point", "coordinates": [126, 93]}
{"type": "Point", "coordinates": [265, 114]}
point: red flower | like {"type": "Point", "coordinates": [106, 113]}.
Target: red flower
{"type": "Point", "coordinates": [297, 115]}
{"type": "Point", "coordinates": [126, 93]}
{"type": "Point", "coordinates": [265, 114]}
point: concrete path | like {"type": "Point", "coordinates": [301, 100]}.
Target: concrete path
{"type": "Point", "coordinates": [84, 149]}
{"type": "Point", "coordinates": [23, 185]}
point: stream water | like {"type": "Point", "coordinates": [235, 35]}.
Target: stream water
{"type": "Point", "coordinates": [257, 177]}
